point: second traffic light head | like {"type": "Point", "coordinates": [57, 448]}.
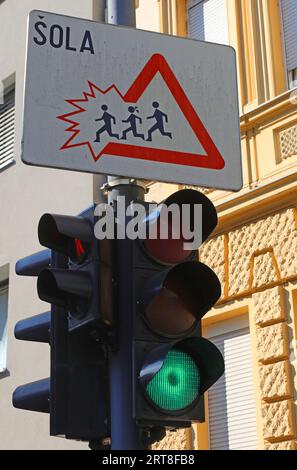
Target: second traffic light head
{"type": "Point", "coordinates": [71, 290]}
{"type": "Point", "coordinates": [71, 236]}
{"type": "Point", "coordinates": [186, 209]}
{"type": "Point", "coordinates": [86, 278]}
{"type": "Point", "coordinates": [174, 302]}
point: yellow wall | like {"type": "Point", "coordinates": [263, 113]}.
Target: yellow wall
{"type": "Point", "coordinates": [254, 249]}
{"type": "Point", "coordinates": [147, 15]}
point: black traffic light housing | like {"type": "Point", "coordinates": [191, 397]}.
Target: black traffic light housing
{"type": "Point", "coordinates": [172, 292]}
{"type": "Point", "coordinates": [79, 288]}
{"type": "Point", "coordinates": [77, 393]}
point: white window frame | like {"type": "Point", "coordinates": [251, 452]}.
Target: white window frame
{"type": "Point", "coordinates": [224, 327]}
{"type": "Point", "coordinates": [291, 75]}
{"type": "Point", "coordinates": [193, 3]}
{"type": "Point", "coordinates": [6, 88]}
{"type": "Point", "coordinates": [3, 328]}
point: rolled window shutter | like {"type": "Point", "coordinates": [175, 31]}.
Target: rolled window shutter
{"type": "Point", "coordinates": [231, 401]}
{"type": "Point", "coordinates": [7, 128]}
{"type": "Point", "coordinates": [208, 21]}
{"type": "Point", "coordinates": [3, 327]}
{"type": "Point", "coordinates": [289, 15]}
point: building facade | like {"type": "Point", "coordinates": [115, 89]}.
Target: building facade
{"type": "Point", "coordinates": [25, 194]}
{"type": "Point", "coordinates": [254, 248]}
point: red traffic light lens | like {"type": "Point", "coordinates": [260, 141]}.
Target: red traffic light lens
{"type": "Point", "coordinates": [167, 250]}
{"type": "Point", "coordinates": [79, 251]}
{"type": "Point", "coordinates": [71, 236]}
{"type": "Point", "coordinates": [176, 223]}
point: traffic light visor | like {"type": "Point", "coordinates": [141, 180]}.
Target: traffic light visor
{"type": "Point", "coordinates": [33, 396]}
{"type": "Point", "coordinates": [169, 221]}
{"type": "Point", "coordinates": [176, 300]}
{"type": "Point", "coordinates": [65, 234]}
{"type": "Point", "coordinates": [71, 290]}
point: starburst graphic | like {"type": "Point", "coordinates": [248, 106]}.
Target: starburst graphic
{"type": "Point", "coordinates": [77, 119]}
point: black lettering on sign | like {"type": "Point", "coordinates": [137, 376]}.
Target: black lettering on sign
{"type": "Point", "coordinates": [56, 36]}
{"type": "Point", "coordinates": [68, 46]}
{"type": "Point", "coordinates": [42, 40]}
{"type": "Point", "coordinates": [59, 37]}
{"type": "Point", "coordinates": [87, 43]}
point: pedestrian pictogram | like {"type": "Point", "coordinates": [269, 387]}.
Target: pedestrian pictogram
{"type": "Point", "coordinates": [131, 103]}
{"type": "Point", "coordinates": [132, 119]}
{"type": "Point", "coordinates": [108, 120]}
{"type": "Point", "coordinates": [159, 116]}
{"type": "Point", "coordinates": [160, 150]}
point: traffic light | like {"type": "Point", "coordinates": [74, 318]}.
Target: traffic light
{"type": "Point", "coordinates": [81, 287]}
{"type": "Point", "coordinates": [35, 395]}
{"type": "Point", "coordinates": [173, 365]}
{"type": "Point", "coordinates": [68, 276]}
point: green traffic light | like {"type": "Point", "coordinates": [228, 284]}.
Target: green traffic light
{"type": "Point", "coordinates": [177, 383]}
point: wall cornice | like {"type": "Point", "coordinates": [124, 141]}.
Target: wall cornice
{"type": "Point", "coordinates": [257, 203]}
{"type": "Point", "coordinates": [284, 103]}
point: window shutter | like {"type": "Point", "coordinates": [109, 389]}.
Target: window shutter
{"type": "Point", "coordinates": [7, 125]}
{"type": "Point", "coordinates": [208, 20]}
{"type": "Point", "coordinates": [3, 327]}
{"type": "Point", "coordinates": [289, 14]}
{"type": "Point", "coordinates": [231, 401]}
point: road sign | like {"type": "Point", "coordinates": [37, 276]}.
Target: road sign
{"type": "Point", "coordinates": [121, 101]}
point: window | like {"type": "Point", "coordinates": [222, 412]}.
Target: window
{"type": "Point", "coordinates": [289, 18]}
{"type": "Point", "coordinates": [3, 324]}
{"type": "Point", "coordinates": [231, 400]}
{"type": "Point", "coordinates": [208, 20]}
{"type": "Point", "coordinates": [7, 125]}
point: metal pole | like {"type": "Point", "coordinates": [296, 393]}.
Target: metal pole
{"type": "Point", "coordinates": [125, 434]}
{"type": "Point", "coordinates": [121, 12]}
{"type": "Point", "coordinates": [99, 181]}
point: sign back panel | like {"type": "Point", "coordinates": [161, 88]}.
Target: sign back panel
{"type": "Point", "coordinates": [121, 101]}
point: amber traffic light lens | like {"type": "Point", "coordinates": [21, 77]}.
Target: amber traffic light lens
{"type": "Point", "coordinates": [168, 315]}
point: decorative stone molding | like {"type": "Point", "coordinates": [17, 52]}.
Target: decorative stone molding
{"type": "Point", "coordinates": [274, 381]}
{"type": "Point", "coordinates": [287, 140]}
{"type": "Point", "coordinates": [275, 385]}
{"type": "Point", "coordinates": [173, 440]}
{"type": "Point", "coordinates": [205, 191]}
{"type": "Point", "coordinates": [264, 268]}
{"type": "Point", "coordinates": [269, 306]}
{"type": "Point", "coordinates": [276, 235]}
{"type": "Point", "coordinates": [284, 445]}
{"type": "Point", "coordinates": [272, 342]}
{"type": "Point", "coordinates": [213, 255]}
{"type": "Point", "coordinates": [277, 420]}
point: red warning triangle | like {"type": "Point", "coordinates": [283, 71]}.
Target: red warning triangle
{"type": "Point", "coordinates": [157, 63]}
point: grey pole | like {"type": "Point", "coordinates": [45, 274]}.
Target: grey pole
{"type": "Point", "coordinates": [124, 432]}
{"type": "Point", "coordinates": [121, 12]}
{"type": "Point", "coordinates": [99, 181]}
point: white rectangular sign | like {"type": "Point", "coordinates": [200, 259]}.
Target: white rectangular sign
{"type": "Point", "coordinates": [121, 101]}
